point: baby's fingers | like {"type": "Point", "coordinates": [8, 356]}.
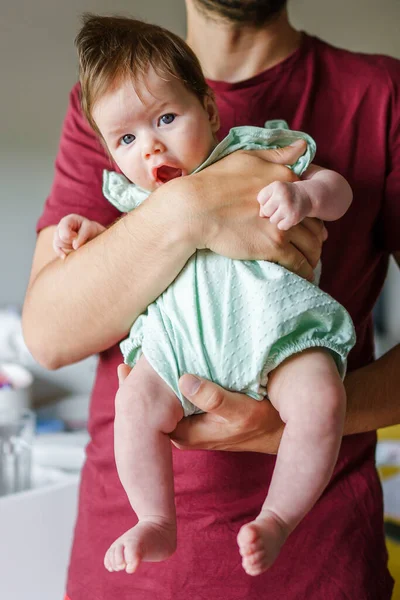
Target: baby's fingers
{"type": "Point", "coordinates": [87, 231]}
{"type": "Point", "coordinates": [265, 194]}
{"type": "Point", "coordinates": [60, 253]}
{"type": "Point", "coordinates": [270, 207]}
{"type": "Point", "coordinates": [58, 246]}
{"type": "Point", "coordinates": [284, 221]}
{"type": "Point", "coordinates": [65, 231]}
{"type": "Point", "coordinates": [286, 224]}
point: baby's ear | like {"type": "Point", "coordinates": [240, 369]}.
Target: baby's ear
{"type": "Point", "coordinates": [212, 111]}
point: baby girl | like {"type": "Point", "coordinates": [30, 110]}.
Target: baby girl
{"type": "Point", "coordinates": [250, 326]}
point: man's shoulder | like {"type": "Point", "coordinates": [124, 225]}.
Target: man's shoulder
{"type": "Point", "coordinates": [369, 68]}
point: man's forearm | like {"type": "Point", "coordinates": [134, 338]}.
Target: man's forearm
{"type": "Point", "coordinates": [373, 394]}
{"type": "Point", "coordinates": [87, 302]}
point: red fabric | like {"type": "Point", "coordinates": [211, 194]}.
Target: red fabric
{"type": "Point", "coordinates": [347, 103]}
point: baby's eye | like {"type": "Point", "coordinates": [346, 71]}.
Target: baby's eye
{"type": "Point", "coordinates": [167, 119]}
{"type": "Point", "coordinates": [127, 139]}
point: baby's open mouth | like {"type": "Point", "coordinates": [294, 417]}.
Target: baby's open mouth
{"type": "Point", "coordinates": [165, 173]}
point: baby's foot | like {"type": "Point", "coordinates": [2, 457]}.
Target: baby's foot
{"type": "Point", "coordinates": [260, 542]}
{"type": "Point", "coordinates": [148, 540]}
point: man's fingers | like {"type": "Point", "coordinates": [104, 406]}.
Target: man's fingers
{"type": "Point", "coordinates": [301, 266]}
{"type": "Point", "coordinates": [208, 396]}
{"type": "Point", "coordinates": [221, 408]}
{"type": "Point", "coordinates": [294, 260]}
{"type": "Point", "coordinates": [194, 432]}
{"type": "Point", "coordinates": [122, 371]}
{"type": "Point", "coordinates": [317, 227]}
{"type": "Point", "coordinates": [283, 156]}
{"type": "Point", "coordinates": [307, 239]}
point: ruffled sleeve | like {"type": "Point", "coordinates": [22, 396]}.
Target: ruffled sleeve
{"type": "Point", "coordinates": [122, 194]}
{"type": "Point", "coordinates": [274, 134]}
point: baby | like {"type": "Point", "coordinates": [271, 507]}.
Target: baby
{"type": "Point", "coordinates": [250, 326]}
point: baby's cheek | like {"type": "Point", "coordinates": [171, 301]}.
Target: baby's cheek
{"type": "Point", "coordinates": [136, 173]}
{"type": "Point", "coordinates": [197, 149]}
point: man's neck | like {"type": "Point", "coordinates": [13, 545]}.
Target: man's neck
{"type": "Point", "coordinates": [231, 53]}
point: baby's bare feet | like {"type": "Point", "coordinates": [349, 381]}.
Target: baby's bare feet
{"type": "Point", "coordinates": [150, 541]}
{"type": "Point", "coordinates": [260, 542]}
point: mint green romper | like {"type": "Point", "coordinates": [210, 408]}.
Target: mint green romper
{"type": "Point", "coordinates": [233, 321]}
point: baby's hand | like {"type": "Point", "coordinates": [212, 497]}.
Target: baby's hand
{"type": "Point", "coordinates": [72, 232]}
{"type": "Point", "coordinates": [286, 204]}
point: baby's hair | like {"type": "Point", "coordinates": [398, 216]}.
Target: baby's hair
{"type": "Point", "coordinates": [115, 48]}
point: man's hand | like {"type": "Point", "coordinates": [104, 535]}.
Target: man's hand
{"type": "Point", "coordinates": [221, 211]}
{"type": "Point", "coordinates": [232, 421]}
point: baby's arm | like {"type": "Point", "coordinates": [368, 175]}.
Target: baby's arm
{"type": "Point", "coordinates": [320, 193]}
{"type": "Point", "coordinates": [72, 232]}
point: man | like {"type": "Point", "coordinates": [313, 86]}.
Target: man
{"type": "Point", "coordinates": [260, 68]}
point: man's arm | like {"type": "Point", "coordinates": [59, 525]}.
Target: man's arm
{"type": "Point", "coordinates": [373, 394]}
{"type": "Point", "coordinates": [87, 302]}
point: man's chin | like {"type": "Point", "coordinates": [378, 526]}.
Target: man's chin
{"type": "Point", "coordinates": [250, 12]}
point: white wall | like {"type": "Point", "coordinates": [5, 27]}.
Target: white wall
{"type": "Point", "coordinates": [38, 67]}
{"type": "Point", "coordinates": [364, 25]}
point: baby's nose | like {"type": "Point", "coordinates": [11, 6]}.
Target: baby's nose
{"type": "Point", "coordinates": [153, 148]}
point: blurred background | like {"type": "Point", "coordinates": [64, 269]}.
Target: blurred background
{"type": "Point", "coordinates": [38, 67]}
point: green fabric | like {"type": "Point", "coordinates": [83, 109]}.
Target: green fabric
{"type": "Point", "coordinates": [233, 321]}
{"type": "Point", "coordinates": [126, 196]}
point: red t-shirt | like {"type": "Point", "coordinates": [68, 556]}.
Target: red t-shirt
{"type": "Point", "coordinates": [347, 102]}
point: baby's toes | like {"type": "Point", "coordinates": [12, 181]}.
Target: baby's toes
{"type": "Point", "coordinates": [250, 548]}
{"type": "Point", "coordinates": [109, 559]}
{"type": "Point", "coordinates": [119, 558]}
{"type": "Point", "coordinates": [255, 563]}
{"type": "Point", "coordinates": [107, 562]}
{"type": "Point", "coordinates": [132, 558]}
{"type": "Point", "coordinates": [114, 558]}
{"type": "Point", "coordinates": [253, 570]}
{"type": "Point", "coordinates": [248, 538]}
{"type": "Point", "coordinates": [254, 559]}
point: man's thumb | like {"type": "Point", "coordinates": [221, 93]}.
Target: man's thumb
{"type": "Point", "coordinates": [285, 156]}
{"type": "Point", "coordinates": [189, 385]}
{"type": "Point", "coordinates": [205, 394]}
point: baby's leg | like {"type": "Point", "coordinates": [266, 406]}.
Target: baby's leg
{"type": "Point", "coordinates": [146, 411]}
{"type": "Point", "coordinates": [308, 393]}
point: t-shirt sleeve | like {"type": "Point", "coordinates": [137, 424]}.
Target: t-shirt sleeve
{"type": "Point", "coordinates": [390, 225]}
{"type": "Point", "coordinates": [77, 185]}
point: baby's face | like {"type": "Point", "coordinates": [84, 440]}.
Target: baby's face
{"type": "Point", "coordinates": [163, 133]}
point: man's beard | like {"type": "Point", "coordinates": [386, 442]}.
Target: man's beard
{"type": "Point", "coordinates": [242, 12]}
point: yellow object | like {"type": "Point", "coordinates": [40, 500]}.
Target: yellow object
{"type": "Point", "coordinates": [392, 433]}
{"type": "Point", "coordinates": [389, 433]}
